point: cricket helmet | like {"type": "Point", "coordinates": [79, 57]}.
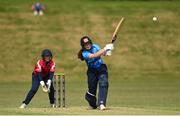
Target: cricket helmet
{"type": "Point", "coordinates": [46, 52]}
{"type": "Point", "coordinates": [84, 40]}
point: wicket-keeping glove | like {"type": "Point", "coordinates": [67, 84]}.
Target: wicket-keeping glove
{"type": "Point", "coordinates": [44, 88]}
{"type": "Point", "coordinates": [48, 85]}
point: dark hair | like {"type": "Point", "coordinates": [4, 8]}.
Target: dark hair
{"type": "Point", "coordinates": [82, 43]}
{"type": "Point", "coordinates": [80, 55]}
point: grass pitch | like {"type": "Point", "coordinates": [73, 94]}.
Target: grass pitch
{"type": "Point", "coordinates": [83, 111]}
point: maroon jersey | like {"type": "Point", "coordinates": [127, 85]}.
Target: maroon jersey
{"type": "Point", "coordinates": [42, 67]}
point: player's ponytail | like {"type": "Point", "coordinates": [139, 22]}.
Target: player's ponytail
{"type": "Point", "coordinates": [80, 55]}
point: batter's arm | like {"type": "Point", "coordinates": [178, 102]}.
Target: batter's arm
{"type": "Point", "coordinates": [97, 54]}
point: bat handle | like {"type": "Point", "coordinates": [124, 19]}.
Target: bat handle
{"type": "Point", "coordinates": [113, 39]}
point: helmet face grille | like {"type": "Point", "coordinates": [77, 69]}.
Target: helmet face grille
{"type": "Point", "coordinates": [46, 52]}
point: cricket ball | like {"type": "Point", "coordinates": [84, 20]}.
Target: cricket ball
{"type": "Point", "coordinates": [154, 18]}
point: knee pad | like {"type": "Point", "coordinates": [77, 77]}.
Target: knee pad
{"type": "Point", "coordinates": [91, 99]}
{"type": "Point", "coordinates": [103, 82]}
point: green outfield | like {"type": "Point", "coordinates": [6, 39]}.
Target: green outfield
{"type": "Point", "coordinates": [144, 70]}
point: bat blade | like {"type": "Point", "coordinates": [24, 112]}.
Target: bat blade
{"type": "Point", "coordinates": [116, 30]}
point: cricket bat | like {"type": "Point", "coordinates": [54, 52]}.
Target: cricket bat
{"type": "Point", "coordinates": [116, 30]}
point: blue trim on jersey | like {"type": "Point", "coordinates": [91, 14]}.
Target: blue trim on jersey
{"type": "Point", "coordinates": [92, 62]}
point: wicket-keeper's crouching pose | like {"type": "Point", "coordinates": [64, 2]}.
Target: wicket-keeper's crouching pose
{"type": "Point", "coordinates": [42, 75]}
{"type": "Point", "coordinates": [97, 72]}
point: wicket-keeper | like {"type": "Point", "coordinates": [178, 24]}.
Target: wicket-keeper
{"type": "Point", "coordinates": [42, 75]}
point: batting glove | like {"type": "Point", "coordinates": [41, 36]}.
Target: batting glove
{"type": "Point", "coordinates": [109, 47]}
{"type": "Point", "coordinates": [108, 53]}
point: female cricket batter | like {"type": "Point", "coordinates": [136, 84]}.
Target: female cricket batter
{"type": "Point", "coordinates": [97, 71]}
{"type": "Point", "coordinates": [42, 75]}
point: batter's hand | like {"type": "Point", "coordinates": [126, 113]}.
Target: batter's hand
{"type": "Point", "coordinates": [109, 47]}
{"type": "Point", "coordinates": [108, 53]}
